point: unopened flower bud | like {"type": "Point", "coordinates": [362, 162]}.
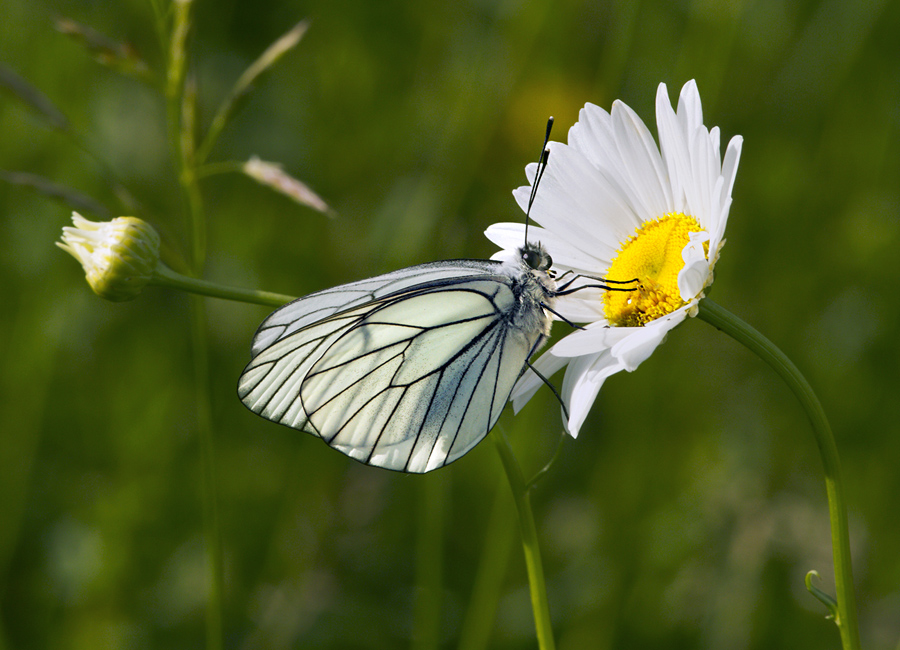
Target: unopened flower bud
{"type": "Point", "coordinates": [118, 256]}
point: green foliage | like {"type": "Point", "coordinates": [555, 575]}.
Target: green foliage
{"type": "Point", "coordinates": [691, 507]}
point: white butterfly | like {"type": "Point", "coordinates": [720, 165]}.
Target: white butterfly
{"type": "Point", "coordinates": [407, 370]}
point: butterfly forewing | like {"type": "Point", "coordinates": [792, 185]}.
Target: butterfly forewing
{"type": "Point", "coordinates": [406, 371]}
{"type": "Point", "coordinates": [320, 305]}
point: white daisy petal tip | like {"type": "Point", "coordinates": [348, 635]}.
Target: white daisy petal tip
{"type": "Point", "coordinates": [506, 235]}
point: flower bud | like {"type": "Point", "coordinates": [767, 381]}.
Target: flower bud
{"type": "Point", "coordinates": [273, 176]}
{"type": "Point", "coordinates": [118, 256]}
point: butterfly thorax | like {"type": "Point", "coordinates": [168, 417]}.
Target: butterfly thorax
{"type": "Point", "coordinates": [533, 287]}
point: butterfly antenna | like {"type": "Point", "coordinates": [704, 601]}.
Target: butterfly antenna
{"type": "Point", "coordinates": [542, 165]}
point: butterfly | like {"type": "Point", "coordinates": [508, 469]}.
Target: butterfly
{"type": "Point", "coordinates": [407, 370]}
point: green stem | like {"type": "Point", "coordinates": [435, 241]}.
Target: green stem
{"type": "Point", "coordinates": [730, 324]}
{"type": "Point", "coordinates": [175, 72]}
{"type": "Point", "coordinates": [430, 562]}
{"type": "Point", "coordinates": [163, 276]}
{"type": "Point", "coordinates": [536, 582]}
{"type": "Point", "coordinates": [181, 110]}
{"type": "Point", "coordinates": [481, 609]}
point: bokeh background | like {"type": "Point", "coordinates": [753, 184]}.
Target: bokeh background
{"type": "Point", "coordinates": [692, 505]}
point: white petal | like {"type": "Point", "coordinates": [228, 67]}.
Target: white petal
{"type": "Point", "coordinates": [692, 277]}
{"type": "Point", "coordinates": [583, 380]}
{"type": "Point", "coordinates": [699, 190]}
{"type": "Point", "coordinates": [581, 310]}
{"type": "Point", "coordinates": [717, 238]}
{"type": "Point", "coordinates": [730, 164]}
{"type": "Point", "coordinates": [594, 338]}
{"type": "Point", "coordinates": [640, 158]}
{"type": "Point", "coordinates": [506, 235]}
{"type": "Point", "coordinates": [530, 174]}
{"type": "Point", "coordinates": [633, 350]}
{"type": "Point", "coordinates": [729, 171]}
{"type": "Point", "coordinates": [582, 203]}
{"type": "Point", "coordinates": [592, 135]}
{"type": "Point", "coordinates": [690, 110]}
{"type": "Point", "coordinates": [714, 141]}
{"type": "Point", "coordinates": [673, 148]}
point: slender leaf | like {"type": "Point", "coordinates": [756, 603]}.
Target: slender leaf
{"type": "Point", "coordinates": [245, 82]}
{"type": "Point", "coordinates": [65, 194]}
{"type": "Point", "coordinates": [118, 56]}
{"type": "Point", "coordinates": [34, 98]}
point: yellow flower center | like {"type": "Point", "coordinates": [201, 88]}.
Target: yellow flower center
{"type": "Point", "coordinates": [652, 256]}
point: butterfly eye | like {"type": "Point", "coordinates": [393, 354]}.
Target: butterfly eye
{"type": "Point", "coordinates": [537, 259]}
{"type": "Point", "coordinates": [532, 258]}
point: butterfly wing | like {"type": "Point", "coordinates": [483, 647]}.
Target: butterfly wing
{"type": "Point", "coordinates": [320, 305]}
{"type": "Point", "coordinates": [406, 371]}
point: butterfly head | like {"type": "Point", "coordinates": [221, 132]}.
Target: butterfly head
{"type": "Point", "coordinates": [535, 257]}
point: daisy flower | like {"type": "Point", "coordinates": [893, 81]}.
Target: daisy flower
{"type": "Point", "coordinates": [613, 205]}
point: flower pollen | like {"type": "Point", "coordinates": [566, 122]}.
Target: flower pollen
{"type": "Point", "coordinates": [652, 256]}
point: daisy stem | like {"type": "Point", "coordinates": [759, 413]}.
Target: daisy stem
{"type": "Point", "coordinates": [536, 582]}
{"type": "Point", "coordinates": [845, 611]}
{"type": "Point", "coordinates": [163, 276]}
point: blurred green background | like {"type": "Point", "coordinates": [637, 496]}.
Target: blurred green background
{"type": "Point", "coordinates": [693, 503]}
